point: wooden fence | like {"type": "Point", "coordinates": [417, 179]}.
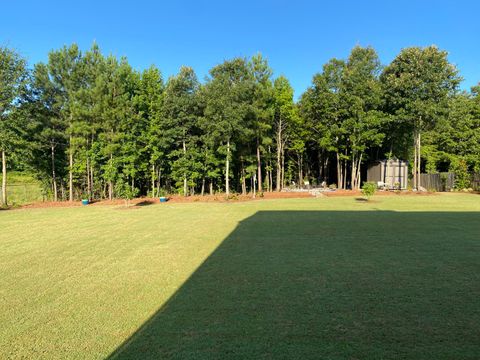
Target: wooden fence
{"type": "Point", "coordinates": [445, 181]}
{"type": "Point", "coordinates": [438, 182]}
{"type": "Point", "coordinates": [476, 182]}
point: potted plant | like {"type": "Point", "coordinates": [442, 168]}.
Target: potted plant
{"type": "Point", "coordinates": [163, 195]}
{"type": "Point", "coordinates": [85, 199]}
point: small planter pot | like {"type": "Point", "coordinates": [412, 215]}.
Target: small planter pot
{"type": "Point", "coordinates": [163, 199]}
{"type": "Point", "coordinates": [85, 202]}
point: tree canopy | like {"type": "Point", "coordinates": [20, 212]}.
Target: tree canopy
{"type": "Point", "coordinates": [91, 126]}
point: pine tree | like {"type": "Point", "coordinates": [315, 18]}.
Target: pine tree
{"type": "Point", "coordinates": [13, 76]}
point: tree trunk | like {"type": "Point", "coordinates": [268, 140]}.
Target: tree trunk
{"type": "Point", "coordinates": [269, 171]}
{"type": "Point", "coordinates": [54, 175]}
{"type": "Point", "coordinates": [320, 166]}
{"type": "Point", "coordinates": [244, 185]}
{"type": "Point", "coordinates": [110, 184]}
{"type": "Point", "coordinates": [159, 180]}
{"type": "Point", "coordinates": [153, 180]}
{"type": "Point", "coordinates": [110, 190]}
{"type": "Point", "coordinates": [267, 180]}
{"type": "Point", "coordinates": [271, 181]}
{"type": "Point", "coordinates": [4, 178]}
{"type": "Point", "coordinates": [419, 161]}
{"type": "Point", "coordinates": [300, 170]}
{"type": "Point", "coordinates": [326, 172]}
{"type": "Point", "coordinates": [339, 172]}
{"type": "Point", "coordinates": [279, 157]}
{"type": "Point", "coordinates": [259, 168]}
{"type": "Point", "coordinates": [62, 189]}
{"type": "Point", "coordinates": [70, 173]}
{"type": "Point", "coordinates": [415, 160]}
{"type": "Point", "coordinates": [91, 171]}
{"type": "Point", "coordinates": [227, 170]}
{"type": "Point", "coordinates": [282, 178]}
{"type": "Point", "coordinates": [211, 187]}
{"type": "Point", "coordinates": [358, 180]}
{"type": "Point", "coordinates": [185, 174]}
{"type": "Point", "coordinates": [353, 170]}
{"type": "Point", "coordinates": [89, 189]}
{"type": "Point", "coordinates": [91, 180]}
{"type": "Point", "coordinates": [203, 187]}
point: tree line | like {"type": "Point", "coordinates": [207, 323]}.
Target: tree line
{"type": "Point", "coordinates": [90, 126]}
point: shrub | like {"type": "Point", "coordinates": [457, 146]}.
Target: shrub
{"type": "Point", "coordinates": [125, 191]}
{"type": "Point", "coordinates": [332, 186]}
{"type": "Point", "coordinates": [462, 177]}
{"type": "Point", "coordinates": [232, 197]}
{"type": "Point", "coordinates": [162, 192]}
{"type": "Point", "coordinates": [368, 189]}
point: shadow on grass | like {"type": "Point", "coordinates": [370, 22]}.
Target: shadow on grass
{"type": "Point", "coordinates": [145, 203]}
{"type": "Point", "coordinates": [330, 285]}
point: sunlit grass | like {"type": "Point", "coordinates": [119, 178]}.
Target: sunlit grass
{"type": "Point", "coordinates": [78, 282]}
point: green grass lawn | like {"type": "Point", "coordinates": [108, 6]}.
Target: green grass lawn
{"type": "Point", "coordinates": [326, 278]}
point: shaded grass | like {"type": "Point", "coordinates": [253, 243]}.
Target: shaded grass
{"type": "Point", "coordinates": [305, 278]}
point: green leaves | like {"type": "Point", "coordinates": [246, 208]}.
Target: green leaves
{"type": "Point", "coordinates": [128, 126]}
{"type": "Point", "coordinates": [417, 85]}
{"type": "Point", "coordinates": [13, 77]}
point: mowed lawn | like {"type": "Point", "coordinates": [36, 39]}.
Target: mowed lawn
{"type": "Point", "coordinates": [325, 278]}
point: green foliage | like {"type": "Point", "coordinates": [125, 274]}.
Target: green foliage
{"type": "Point", "coordinates": [23, 188]}
{"type": "Point", "coordinates": [343, 108]}
{"type": "Point", "coordinates": [369, 189]}
{"type": "Point", "coordinates": [162, 193]}
{"type": "Point", "coordinates": [462, 177]}
{"type": "Point", "coordinates": [417, 87]}
{"type": "Point", "coordinates": [83, 121]}
{"type": "Point", "coordinates": [125, 191]}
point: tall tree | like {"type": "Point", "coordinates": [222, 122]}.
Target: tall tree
{"type": "Point", "coordinates": [150, 103]}
{"type": "Point", "coordinates": [228, 95]}
{"type": "Point", "coordinates": [319, 107]}
{"type": "Point", "coordinates": [181, 111]}
{"type": "Point", "coordinates": [263, 108]}
{"type": "Point", "coordinates": [285, 114]}
{"type": "Point", "coordinates": [64, 72]}
{"type": "Point", "coordinates": [13, 74]}
{"type": "Point", "coordinates": [417, 85]}
{"type": "Point", "coordinates": [362, 100]}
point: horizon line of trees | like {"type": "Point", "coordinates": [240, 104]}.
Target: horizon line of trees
{"type": "Point", "coordinates": [90, 126]}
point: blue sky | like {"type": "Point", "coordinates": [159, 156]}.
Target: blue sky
{"type": "Point", "coordinates": [297, 37]}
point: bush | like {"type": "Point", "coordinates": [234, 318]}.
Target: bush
{"type": "Point", "coordinates": [368, 189]}
{"type": "Point", "coordinates": [232, 197]}
{"type": "Point", "coordinates": [462, 177]}
{"type": "Point", "coordinates": [332, 186]}
{"type": "Point", "coordinates": [125, 191]}
{"type": "Point", "coordinates": [162, 192]}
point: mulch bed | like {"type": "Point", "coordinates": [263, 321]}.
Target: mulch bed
{"type": "Point", "coordinates": [217, 198]}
